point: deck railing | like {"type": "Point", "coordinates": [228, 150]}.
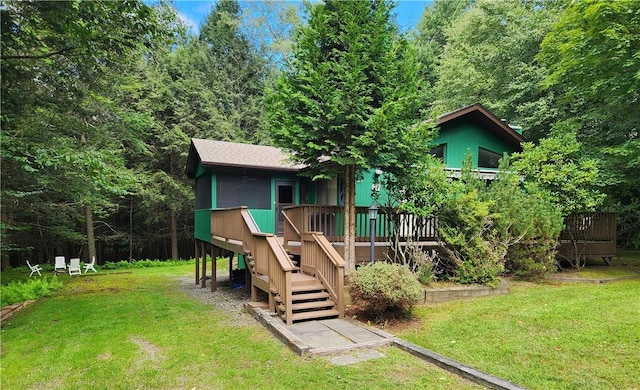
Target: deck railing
{"type": "Point", "coordinates": [319, 258]}
{"type": "Point", "coordinates": [236, 226]}
{"type": "Point", "coordinates": [330, 221]}
{"type": "Point", "coordinates": [599, 226]}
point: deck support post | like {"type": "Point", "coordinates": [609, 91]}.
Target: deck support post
{"type": "Point", "coordinates": [214, 268]}
{"type": "Point", "coordinates": [197, 257]}
{"type": "Point", "coordinates": [203, 282]}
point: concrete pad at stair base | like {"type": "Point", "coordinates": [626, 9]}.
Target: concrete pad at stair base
{"type": "Point", "coordinates": [355, 332]}
{"type": "Point", "coordinates": [318, 336]}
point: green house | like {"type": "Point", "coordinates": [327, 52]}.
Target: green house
{"type": "Point", "coordinates": [251, 200]}
{"type": "Point", "coordinates": [477, 130]}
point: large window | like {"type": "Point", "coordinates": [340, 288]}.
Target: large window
{"type": "Point", "coordinates": [243, 189]}
{"type": "Point", "coordinates": [203, 191]}
{"type": "Point", "coordinates": [488, 159]}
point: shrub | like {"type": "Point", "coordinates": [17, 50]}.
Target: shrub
{"type": "Point", "coordinates": [32, 289]}
{"type": "Point", "coordinates": [143, 264]}
{"type": "Point", "coordinates": [384, 291]}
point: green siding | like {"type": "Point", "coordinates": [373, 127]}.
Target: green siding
{"type": "Point", "coordinates": [364, 193]}
{"type": "Point", "coordinates": [265, 219]}
{"type": "Point", "coordinates": [202, 225]}
{"type": "Point", "coordinates": [460, 137]}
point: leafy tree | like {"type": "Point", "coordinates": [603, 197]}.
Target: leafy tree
{"type": "Point", "coordinates": [63, 134]}
{"type": "Point", "coordinates": [558, 168]}
{"type": "Point", "coordinates": [593, 65]}
{"type": "Point", "coordinates": [349, 101]}
{"type": "Point", "coordinates": [490, 56]}
{"type": "Point", "coordinates": [430, 38]}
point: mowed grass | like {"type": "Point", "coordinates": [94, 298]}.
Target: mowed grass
{"type": "Point", "coordinates": [545, 336]}
{"type": "Point", "coordinates": [139, 331]}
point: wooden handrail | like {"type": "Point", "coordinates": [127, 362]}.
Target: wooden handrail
{"type": "Point", "coordinates": [319, 258]}
{"type": "Point", "coordinates": [270, 257]}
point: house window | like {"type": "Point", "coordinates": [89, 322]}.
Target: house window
{"type": "Point", "coordinates": [249, 189]}
{"type": "Point", "coordinates": [203, 191]}
{"type": "Point", "coordinates": [438, 152]}
{"type": "Point", "coordinates": [488, 159]}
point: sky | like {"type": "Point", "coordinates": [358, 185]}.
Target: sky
{"type": "Point", "coordinates": [193, 12]}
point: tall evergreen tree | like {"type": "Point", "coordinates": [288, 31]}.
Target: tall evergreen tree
{"type": "Point", "coordinates": [235, 73]}
{"type": "Point", "coordinates": [350, 99]}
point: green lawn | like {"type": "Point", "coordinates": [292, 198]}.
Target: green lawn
{"type": "Point", "coordinates": [545, 336]}
{"type": "Point", "coordinates": [138, 331]}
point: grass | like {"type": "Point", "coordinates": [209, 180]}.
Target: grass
{"type": "Point", "coordinates": [138, 331]}
{"type": "Point", "coordinates": [544, 336]}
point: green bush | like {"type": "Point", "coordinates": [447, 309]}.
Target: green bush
{"type": "Point", "coordinates": [143, 264]}
{"type": "Point", "coordinates": [31, 289]}
{"type": "Point", "coordinates": [384, 291]}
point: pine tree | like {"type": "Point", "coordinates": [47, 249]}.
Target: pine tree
{"type": "Point", "coordinates": [350, 99]}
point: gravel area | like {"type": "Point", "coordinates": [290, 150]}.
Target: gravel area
{"type": "Point", "coordinates": [230, 301]}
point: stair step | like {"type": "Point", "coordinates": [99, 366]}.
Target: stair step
{"type": "Point", "coordinates": [307, 315]}
{"type": "Point", "coordinates": [312, 305]}
{"type": "Point", "coordinates": [308, 287]}
{"type": "Point", "coordinates": [296, 307]}
{"type": "Point", "coordinates": [311, 296]}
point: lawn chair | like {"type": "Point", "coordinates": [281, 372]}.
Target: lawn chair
{"type": "Point", "coordinates": [61, 265]}
{"type": "Point", "coordinates": [89, 266]}
{"type": "Point", "coordinates": [34, 268]}
{"type": "Point", "coordinates": [74, 266]}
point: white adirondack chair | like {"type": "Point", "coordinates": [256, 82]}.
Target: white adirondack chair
{"type": "Point", "coordinates": [90, 266]}
{"type": "Point", "coordinates": [74, 266]}
{"type": "Point", "coordinates": [34, 268]}
{"type": "Point", "coordinates": [61, 265]}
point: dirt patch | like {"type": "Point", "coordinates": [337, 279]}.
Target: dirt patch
{"type": "Point", "coordinates": [149, 351]}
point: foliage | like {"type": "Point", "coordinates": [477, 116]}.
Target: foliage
{"type": "Point", "coordinates": [490, 57]}
{"type": "Point", "coordinates": [558, 168]}
{"type": "Point", "coordinates": [31, 289]}
{"type": "Point", "coordinates": [489, 228]}
{"type": "Point", "coordinates": [419, 191]}
{"type": "Point", "coordinates": [144, 264]}
{"type": "Point", "coordinates": [64, 131]}
{"type": "Point", "coordinates": [349, 100]}
{"type": "Point", "coordinates": [384, 291]}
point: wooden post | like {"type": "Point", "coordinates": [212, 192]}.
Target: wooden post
{"type": "Point", "coordinates": [214, 268]}
{"type": "Point", "coordinates": [197, 263]}
{"type": "Point", "coordinates": [230, 268]}
{"type": "Point", "coordinates": [203, 283]}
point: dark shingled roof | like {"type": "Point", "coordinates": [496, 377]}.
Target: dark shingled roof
{"type": "Point", "coordinates": [231, 154]}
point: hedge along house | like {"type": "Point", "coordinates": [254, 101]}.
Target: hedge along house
{"type": "Point", "coordinates": [288, 231]}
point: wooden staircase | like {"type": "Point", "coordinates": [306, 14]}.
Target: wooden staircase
{"type": "Point", "coordinates": [310, 299]}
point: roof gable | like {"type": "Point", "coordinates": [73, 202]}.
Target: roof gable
{"type": "Point", "coordinates": [212, 153]}
{"type": "Point", "coordinates": [479, 114]}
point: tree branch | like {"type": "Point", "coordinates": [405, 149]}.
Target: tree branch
{"type": "Point", "coordinates": [35, 56]}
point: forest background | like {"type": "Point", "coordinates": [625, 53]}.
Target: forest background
{"type": "Point", "coordinates": [100, 99]}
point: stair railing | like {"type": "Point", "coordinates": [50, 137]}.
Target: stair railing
{"type": "Point", "coordinates": [237, 225]}
{"type": "Point", "coordinates": [318, 257]}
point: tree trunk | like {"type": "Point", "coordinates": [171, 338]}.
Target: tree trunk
{"type": "Point", "coordinates": [91, 240]}
{"type": "Point", "coordinates": [174, 235]}
{"type": "Point", "coordinates": [131, 230]}
{"type": "Point", "coordinates": [350, 217]}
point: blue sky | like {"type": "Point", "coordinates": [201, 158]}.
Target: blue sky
{"type": "Point", "coordinates": [193, 12]}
